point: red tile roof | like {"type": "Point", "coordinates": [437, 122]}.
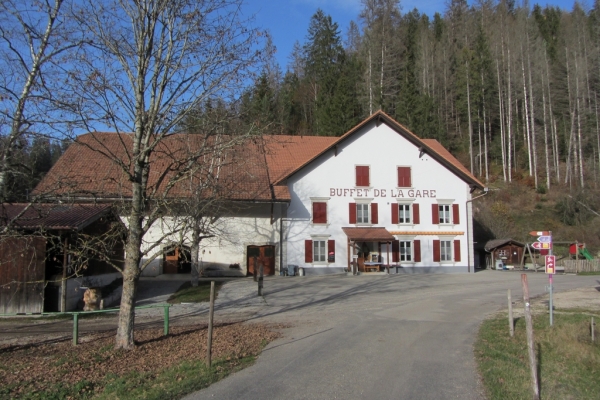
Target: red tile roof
{"type": "Point", "coordinates": [95, 165]}
{"type": "Point", "coordinates": [430, 146]}
{"type": "Point", "coordinates": [51, 216]}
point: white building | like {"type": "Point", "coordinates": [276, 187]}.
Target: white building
{"type": "Point", "coordinates": [376, 197]}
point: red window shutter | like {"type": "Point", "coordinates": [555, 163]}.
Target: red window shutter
{"type": "Point", "coordinates": [417, 248]}
{"type": "Point", "coordinates": [362, 175]}
{"type": "Point", "coordinates": [319, 213]}
{"type": "Point", "coordinates": [352, 213]}
{"type": "Point", "coordinates": [395, 251]}
{"type": "Point", "coordinates": [404, 177]}
{"type": "Point", "coordinates": [435, 214]}
{"type": "Point", "coordinates": [455, 214]}
{"type": "Point", "coordinates": [416, 217]}
{"type": "Point", "coordinates": [331, 251]}
{"type": "Point", "coordinates": [374, 214]}
{"type": "Point", "coordinates": [457, 250]}
{"type": "Point", "coordinates": [436, 250]}
{"type": "Point", "coordinates": [394, 213]}
{"type": "Point", "coordinates": [308, 256]}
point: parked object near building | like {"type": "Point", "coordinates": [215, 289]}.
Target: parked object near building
{"type": "Point", "coordinates": [503, 253]}
{"type": "Point", "coordinates": [379, 196]}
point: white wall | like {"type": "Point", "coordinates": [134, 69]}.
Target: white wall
{"type": "Point", "coordinates": [248, 224]}
{"type": "Point", "coordinates": [383, 150]}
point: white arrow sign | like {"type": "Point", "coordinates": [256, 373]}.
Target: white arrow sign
{"type": "Point", "coordinates": [545, 239]}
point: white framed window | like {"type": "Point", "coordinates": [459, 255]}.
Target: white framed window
{"type": "Point", "coordinates": [404, 213]}
{"type": "Point", "coordinates": [319, 250]}
{"type": "Point", "coordinates": [406, 252]}
{"type": "Point", "coordinates": [444, 213]}
{"type": "Point", "coordinates": [445, 250]}
{"type": "Point", "coordinates": [362, 213]}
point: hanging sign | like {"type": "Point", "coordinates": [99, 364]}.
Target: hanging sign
{"type": "Point", "coordinates": [539, 233]}
{"type": "Point", "coordinates": [545, 239]}
{"type": "Point", "coordinates": [550, 264]}
{"type": "Point", "coordinates": [541, 246]}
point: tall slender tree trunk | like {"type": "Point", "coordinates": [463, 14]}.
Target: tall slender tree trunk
{"type": "Point", "coordinates": [533, 135]}
{"type": "Point", "coordinates": [526, 116]}
{"type": "Point", "coordinates": [470, 122]}
{"type": "Point", "coordinates": [579, 141]}
{"type": "Point", "coordinates": [479, 143]}
{"type": "Point", "coordinates": [546, 152]}
{"type": "Point", "coordinates": [502, 133]}
{"type": "Point", "coordinates": [509, 120]}
{"type": "Point", "coordinates": [370, 83]}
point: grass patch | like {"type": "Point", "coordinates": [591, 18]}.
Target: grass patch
{"type": "Point", "coordinates": [589, 273]}
{"type": "Point", "coordinates": [190, 294]}
{"type": "Point", "coordinates": [173, 382]}
{"type": "Point", "coordinates": [568, 362]}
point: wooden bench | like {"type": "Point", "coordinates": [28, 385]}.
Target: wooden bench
{"type": "Point", "coordinates": [372, 266]}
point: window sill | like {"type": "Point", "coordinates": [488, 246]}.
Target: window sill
{"type": "Point", "coordinates": [326, 224]}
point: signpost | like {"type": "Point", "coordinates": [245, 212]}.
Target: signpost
{"type": "Point", "coordinates": [541, 246]}
{"type": "Point", "coordinates": [550, 265]}
{"type": "Point", "coordinates": [544, 242]}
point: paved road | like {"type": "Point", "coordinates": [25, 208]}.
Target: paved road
{"type": "Point", "coordinates": [379, 337]}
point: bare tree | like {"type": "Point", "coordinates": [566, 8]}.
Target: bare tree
{"type": "Point", "coordinates": [151, 63]}
{"type": "Point", "coordinates": [35, 40]}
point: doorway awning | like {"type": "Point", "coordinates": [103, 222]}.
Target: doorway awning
{"type": "Point", "coordinates": [368, 234]}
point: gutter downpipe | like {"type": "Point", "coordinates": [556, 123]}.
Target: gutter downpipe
{"type": "Point", "coordinates": [470, 221]}
{"type": "Point", "coordinates": [281, 219]}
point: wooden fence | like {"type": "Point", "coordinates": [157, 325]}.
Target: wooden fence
{"type": "Point", "coordinates": [575, 266]}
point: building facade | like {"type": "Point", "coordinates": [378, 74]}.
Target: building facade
{"type": "Point", "coordinates": [377, 198]}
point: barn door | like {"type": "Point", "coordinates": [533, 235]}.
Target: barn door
{"type": "Point", "coordinates": [177, 261]}
{"type": "Point", "coordinates": [261, 254]}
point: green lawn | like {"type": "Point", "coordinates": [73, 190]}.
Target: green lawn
{"type": "Point", "coordinates": [568, 361]}
{"type": "Point", "coordinates": [190, 294]}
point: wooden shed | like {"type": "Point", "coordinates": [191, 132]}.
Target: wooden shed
{"type": "Point", "coordinates": [38, 248]}
{"type": "Point", "coordinates": [508, 252]}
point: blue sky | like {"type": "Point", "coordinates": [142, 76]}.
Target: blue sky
{"type": "Point", "coordinates": [288, 20]}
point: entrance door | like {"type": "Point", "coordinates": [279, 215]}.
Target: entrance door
{"type": "Point", "coordinates": [177, 261]}
{"type": "Point", "coordinates": [258, 255]}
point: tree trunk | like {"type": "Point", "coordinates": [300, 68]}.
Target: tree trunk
{"type": "Point", "coordinates": [470, 123]}
{"type": "Point", "coordinates": [502, 133]}
{"type": "Point", "coordinates": [195, 250]}
{"type": "Point", "coordinates": [526, 117]}
{"type": "Point", "coordinates": [131, 274]}
{"type": "Point", "coordinates": [546, 138]}
{"type": "Point", "coordinates": [533, 135]}
{"type": "Point", "coordinates": [509, 122]}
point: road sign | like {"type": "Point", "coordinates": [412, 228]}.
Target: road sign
{"type": "Point", "coordinates": [550, 264]}
{"type": "Point", "coordinates": [539, 233]}
{"type": "Point", "coordinates": [540, 245]}
{"type": "Point", "coordinates": [545, 239]}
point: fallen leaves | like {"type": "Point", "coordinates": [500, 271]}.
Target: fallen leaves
{"type": "Point", "coordinates": [32, 368]}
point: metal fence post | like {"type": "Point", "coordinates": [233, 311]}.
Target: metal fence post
{"type": "Point", "coordinates": [75, 329]}
{"type": "Point", "coordinates": [166, 330]}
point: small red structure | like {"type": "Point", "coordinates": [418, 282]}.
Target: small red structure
{"type": "Point", "coordinates": [573, 246]}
